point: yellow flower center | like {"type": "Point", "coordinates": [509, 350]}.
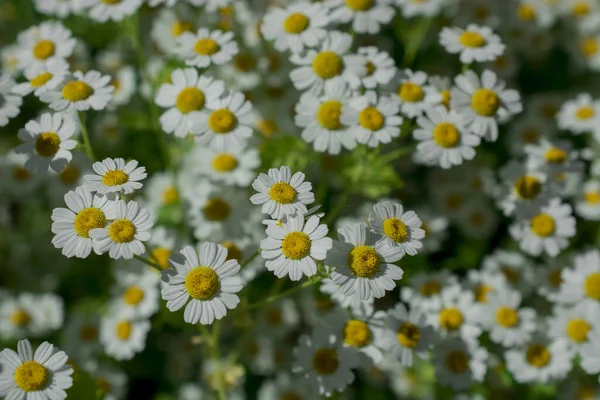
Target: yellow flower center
{"type": "Point", "coordinates": [31, 376]}
{"type": "Point", "coordinates": [528, 187]}
{"type": "Point", "coordinates": [450, 318]}
{"type": "Point", "coordinates": [43, 49]}
{"type": "Point", "coordinates": [430, 288]}
{"type": "Point", "coordinates": [327, 64]}
{"type": "Point", "coordinates": [202, 283]}
{"type": "Point", "coordinates": [586, 393]}
{"type": "Point", "coordinates": [578, 329]}
{"type": "Point", "coordinates": [543, 225]}
{"type": "Point", "coordinates": [103, 385]}
{"type": "Point", "coordinates": [115, 177]}
{"type": "Point", "coordinates": [592, 286]}
{"type": "Point", "coordinates": [585, 112]}
{"type": "Point", "coordinates": [179, 27]}
{"type": "Point", "coordinates": [123, 330]}
{"type": "Point", "coordinates": [526, 12]}
{"type": "Point", "coordinates": [471, 39]}
{"type": "Point", "coordinates": [88, 219]}
{"type": "Point", "coordinates": [446, 135]}
{"type": "Point", "coordinates": [216, 209]}
{"type": "Point", "coordinates": [325, 361]}
{"type": "Point", "coordinates": [507, 317]}
{"type": "Point", "coordinates": [485, 102]}
{"type": "Point", "coordinates": [170, 195]}
{"type": "Point", "coordinates": [69, 175]}
{"type": "Point", "coordinates": [511, 274]}
{"type": "Point", "coordinates": [589, 46]}
{"type": "Point", "coordinates": [267, 127]}
{"type": "Point", "coordinates": [296, 23]}
{"type": "Point", "coordinates": [233, 251]}
{"type": "Point", "coordinates": [408, 335]}
{"type": "Point", "coordinates": [190, 99]}
{"type": "Point", "coordinates": [395, 230]}
{"type": "Point", "coordinates": [47, 144]}
{"type": "Point", "coordinates": [20, 174]}
{"type": "Point", "coordinates": [282, 193]}
{"type": "Point", "coordinates": [357, 333]}
{"type": "Point", "coordinates": [370, 68]}
{"type": "Point", "coordinates": [160, 256]}
{"type": "Point", "coordinates": [296, 245]}
{"type": "Point", "coordinates": [592, 197]}
{"type": "Point", "coordinates": [554, 155]}
{"type": "Point", "coordinates": [40, 79]}
{"type": "Point", "coordinates": [457, 361]}
{"type": "Point", "coordinates": [121, 231]}
{"type": "Point", "coordinates": [481, 292]}
{"type": "Point", "coordinates": [20, 318]}
{"type": "Point", "coordinates": [224, 162]}
{"type": "Point", "coordinates": [445, 98]}
{"type": "Point", "coordinates": [530, 135]}
{"type": "Point", "coordinates": [206, 47]}
{"type": "Point", "coordinates": [364, 261]}
{"type": "Point", "coordinates": [222, 121]}
{"type": "Point", "coordinates": [88, 333]}
{"type": "Point", "coordinates": [581, 9]}
{"type": "Point", "coordinates": [555, 277]}
{"type": "Point", "coordinates": [328, 115]}
{"type": "Point", "coordinates": [411, 92]}
{"type": "Point", "coordinates": [370, 118]}
{"type": "Point", "coordinates": [133, 295]}
{"type": "Point", "coordinates": [359, 5]}
{"type": "Point", "coordinates": [75, 91]}
{"type": "Point", "coordinates": [538, 355]}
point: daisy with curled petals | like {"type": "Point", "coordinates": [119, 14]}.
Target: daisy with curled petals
{"type": "Point", "coordinates": [185, 98]}
{"type": "Point", "coordinates": [574, 324]}
{"type": "Point", "coordinates": [482, 102]}
{"type": "Point", "coordinates": [282, 193]}
{"type": "Point", "coordinates": [588, 205]}
{"type": "Point", "coordinates": [474, 44]}
{"type": "Point", "coordinates": [10, 103]}
{"type": "Point", "coordinates": [444, 138]}
{"type": "Point", "coordinates": [123, 336]}
{"type": "Point", "coordinates": [227, 123]}
{"type": "Point", "coordinates": [72, 225]}
{"type": "Point", "coordinates": [459, 364]}
{"type": "Point", "coordinates": [114, 10]}
{"type": "Point", "coordinates": [364, 264]}
{"type": "Point", "coordinates": [580, 115]}
{"type": "Point", "coordinates": [205, 48]}
{"type": "Point", "coordinates": [398, 228]}
{"type": "Point", "coordinates": [301, 25]}
{"type": "Point", "coordinates": [380, 68]}
{"type": "Point", "coordinates": [294, 248]}
{"type": "Point", "coordinates": [43, 375]}
{"type": "Point", "coordinates": [207, 278]}
{"type": "Point", "coordinates": [43, 43]}
{"type": "Point", "coordinates": [456, 314]}
{"type": "Point", "coordinates": [414, 94]}
{"type": "Point", "coordinates": [115, 176]}
{"type": "Point", "coordinates": [123, 237]}
{"type": "Point", "coordinates": [48, 142]}
{"type": "Point", "coordinates": [540, 360]}
{"type": "Point", "coordinates": [581, 284]}
{"type": "Point", "coordinates": [41, 78]}
{"type": "Point", "coordinates": [367, 16]}
{"type": "Point", "coordinates": [80, 92]}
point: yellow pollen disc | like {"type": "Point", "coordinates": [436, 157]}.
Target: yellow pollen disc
{"type": "Point", "coordinates": [446, 135]}
{"type": "Point", "coordinates": [20, 318]}
{"type": "Point", "coordinates": [324, 304]}
{"type": "Point", "coordinates": [589, 46]}
{"type": "Point", "coordinates": [47, 144]}
{"type": "Point", "coordinates": [20, 174]}
{"type": "Point", "coordinates": [370, 68]}
{"type": "Point", "coordinates": [88, 219]}
{"type": "Point", "coordinates": [585, 112]}
{"type": "Point", "coordinates": [592, 197]}
{"type": "Point", "coordinates": [244, 62]}
{"type": "Point", "coordinates": [43, 49]}
{"type": "Point", "coordinates": [206, 47]}
{"type": "Point", "coordinates": [170, 195]}
{"type": "Point", "coordinates": [202, 283]}
{"type": "Point", "coordinates": [222, 121]}
{"type": "Point", "coordinates": [296, 23]}
{"type": "Point", "coordinates": [586, 393]}
{"type": "Point", "coordinates": [528, 187]}
{"type": "Point", "coordinates": [457, 361]}
{"type": "Point", "coordinates": [359, 5]}
{"type": "Point", "coordinates": [592, 286]}
{"type": "Point", "coordinates": [88, 333]}
{"type": "Point", "coordinates": [446, 98]}
{"type": "Point", "coordinates": [511, 274]}
{"type": "Point", "coordinates": [328, 115]}
{"type": "Point", "coordinates": [485, 102]}
{"type": "Point", "coordinates": [411, 92]}
{"type": "Point", "coordinates": [364, 261]}
{"type": "Point", "coordinates": [75, 91]}
{"type": "Point", "coordinates": [224, 162]}
{"type": "Point", "coordinates": [31, 376]}
{"type": "Point", "coordinates": [115, 177]}
{"type": "Point", "coordinates": [526, 12]}
{"type": "Point", "coordinates": [327, 64]}
{"type": "Point", "coordinates": [123, 330]}
{"type": "Point", "coordinates": [133, 295]}
{"type": "Point", "coordinates": [430, 288]}
{"type": "Point", "coordinates": [543, 225]}
{"type": "Point", "coordinates": [395, 230]}
{"type": "Point", "coordinates": [507, 317]}
{"type": "Point", "coordinates": [538, 355]}
{"type": "Point", "coordinates": [103, 385]}
{"type": "Point", "coordinates": [233, 251]}
{"type": "Point", "coordinates": [578, 329]}
{"type": "Point", "coordinates": [450, 319]}
{"type": "Point", "coordinates": [555, 155]}
{"type": "Point", "coordinates": [481, 292]}
{"type": "Point", "coordinates": [117, 84]}
{"type": "Point", "coordinates": [370, 118]}
{"type": "Point", "coordinates": [40, 79]}
{"type": "Point", "coordinates": [296, 245]}
{"type": "Point", "coordinates": [325, 361]}
{"type": "Point", "coordinates": [581, 9]}
{"type": "Point", "coordinates": [408, 335]}
{"type": "Point", "coordinates": [356, 333]}
{"type": "Point", "coordinates": [555, 277]}
{"type": "Point", "coordinates": [69, 175]}
{"type": "Point", "coordinates": [530, 135]}
{"type": "Point", "coordinates": [190, 99]}
{"type": "Point", "coordinates": [216, 209]}
{"type": "Point", "coordinates": [121, 231]}
{"type": "Point", "coordinates": [267, 127]}
{"type": "Point", "coordinates": [282, 193]}
{"type": "Point", "coordinates": [471, 39]}
{"type": "Point", "coordinates": [160, 256]}
{"type": "Point", "coordinates": [179, 27]}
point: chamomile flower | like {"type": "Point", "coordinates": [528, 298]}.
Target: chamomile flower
{"type": "Point", "coordinates": [282, 193]}
{"type": "Point", "coordinates": [553, 158]}
{"type": "Point", "coordinates": [43, 43]}
{"type": "Point", "coordinates": [113, 176]}
{"type": "Point", "coordinates": [58, 8]}
{"type": "Point", "coordinates": [111, 382]}
{"type": "Point", "coordinates": [168, 26]}
{"type": "Point", "coordinates": [581, 284]}
{"type": "Point", "coordinates": [538, 12]}
{"type": "Point", "coordinates": [525, 188]}
{"type": "Point", "coordinates": [459, 364]}
{"type": "Point", "coordinates": [294, 248]}
{"type": "Point", "coordinates": [590, 356]}
{"type": "Point", "coordinates": [298, 26]}
{"type": "Point", "coordinates": [186, 98]}
{"type": "Point", "coordinates": [43, 375]}
{"type": "Point", "coordinates": [102, 11]}
{"type": "Point", "coordinates": [207, 278]}
{"type": "Point", "coordinates": [474, 44]}
{"type": "Point", "coordinates": [414, 94]}
{"type": "Point", "coordinates": [588, 204]}
{"type": "Point", "coordinates": [123, 237]}
{"type": "Point", "coordinates": [367, 16]}
{"type": "Point", "coordinates": [235, 167]}
{"type": "Point", "coordinates": [483, 102]}
{"type": "Point", "coordinates": [456, 315]}
{"type": "Point", "coordinates": [22, 317]}
{"type": "Point", "coordinates": [424, 289]}
{"type": "Point", "coordinates": [279, 319]}
{"type": "Point", "coordinates": [122, 336]}
{"type": "Point", "coordinates": [43, 77]}
{"type": "Point", "coordinates": [435, 227]}
{"type": "Point", "coordinates": [513, 266]}
{"type": "Point", "coordinates": [398, 228]}
{"type": "Point", "coordinates": [574, 324]}
{"type": "Point", "coordinates": [136, 294]}
{"type": "Point", "coordinates": [380, 67]}
{"type": "Point", "coordinates": [10, 103]}
{"type": "Point", "coordinates": [364, 264]}
{"type": "Point", "coordinates": [124, 82]}
{"type": "Point", "coordinates": [541, 360]}
{"type": "Point", "coordinates": [81, 335]}
{"type": "Point", "coordinates": [205, 48]}
{"type": "Point", "coordinates": [580, 115]}
{"type": "Point", "coordinates": [48, 142]}
{"type": "Point", "coordinates": [80, 92]}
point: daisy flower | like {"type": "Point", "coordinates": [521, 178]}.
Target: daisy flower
{"type": "Point", "coordinates": [10, 103]}
{"type": "Point", "coordinates": [581, 284]}
{"type": "Point", "coordinates": [553, 158]}
{"type": "Point", "coordinates": [279, 319]}
{"type": "Point", "coordinates": [102, 11]}
{"type": "Point", "coordinates": [444, 137]}
{"type": "Point", "coordinates": [425, 8]}
{"type": "Point", "coordinates": [367, 16]}
{"type": "Point", "coordinates": [205, 48]}
{"type": "Point", "coordinates": [364, 264]}
{"type": "Point", "coordinates": [113, 176]}
{"type": "Point", "coordinates": [301, 25]}
{"type": "Point", "coordinates": [513, 266]}
{"type": "Point", "coordinates": [58, 8]}
{"type": "Point", "coordinates": [111, 382]}
{"type": "Point", "coordinates": [424, 290]}
{"type": "Point", "coordinates": [24, 316]}
{"type": "Point", "coordinates": [282, 193]}
{"type": "Point", "coordinates": [227, 123]}
{"type": "Point", "coordinates": [483, 102]}
{"type": "Point", "coordinates": [474, 44]}
{"type": "Point", "coordinates": [123, 337]}
{"type": "Point", "coordinates": [235, 167]}
{"type": "Point", "coordinates": [80, 92]}
{"type": "Point", "coordinates": [43, 77]}
{"type": "Point", "coordinates": [574, 324]}
{"type": "Point", "coordinates": [459, 364]}
{"type": "Point", "coordinates": [435, 227]}
{"type": "Point", "coordinates": [588, 204]}
{"type": "Point", "coordinates": [207, 278]}
{"type": "Point", "coordinates": [353, 304]}
{"type": "Point", "coordinates": [332, 60]}
{"type": "Point", "coordinates": [456, 315]}
{"type": "Point", "coordinates": [48, 142]}
{"type": "Point", "coordinates": [380, 67]}
{"type": "Point", "coordinates": [590, 355]}
{"type": "Point", "coordinates": [482, 283]}
{"type": "Point", "coordinates": [44, 43]}
{"type": "Point", "coordinates": [398, 228]}
{"type": "Point", "coordinates": [124, 82]}
{"type": "Point", "coordinates": [168, 25]}
{"type": "Point", "coordinates": [580, 115]}
{"type": "Point", "coordinates": [43, 375]}
{"type": "Point", "coordinates": [136, 294]}
{"type": "Point", "coordinates": [123, 237]}
{"type": "Point", "coordinates": [537, 12]}
{"type": "Point", "coordinates": [414, 94]}
{"type": "Point", "coordinates": [81, 333]}
{"type": "Point", "coordinates": [294, 248]}
{"type": "Point", "coordinates": [541, 360]}
{"type": "Point", "coordinates": [185, 99]}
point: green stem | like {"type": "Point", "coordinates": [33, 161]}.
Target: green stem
{"type": "Point", "coordinates": [416, 37]}
{"type": "Point", "coordinates": [394, 155]}
{"type": "Point", "coordinates": [289, 292]}
{"type": "Point", "coordinates": [148, 262]}
{"type": "Point", "coordinates": [252, 257]}
{"type": "Point", "coordinates": [212, 341]}
{"type": "Point", "coordinates": [465, 68]}
{"type": "Point", "coordinates": [86, 138]}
